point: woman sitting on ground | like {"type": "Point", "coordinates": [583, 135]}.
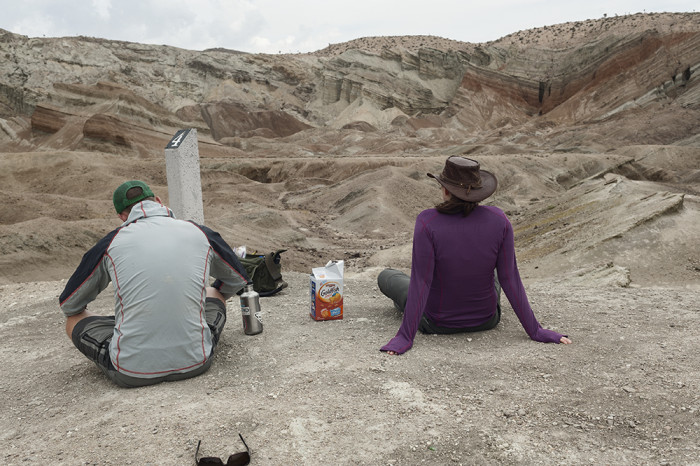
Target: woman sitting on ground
{"type": "Point", "coordinates": [456, 248]}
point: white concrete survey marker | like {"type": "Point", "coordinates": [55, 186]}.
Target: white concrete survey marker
{"type": "Point", "coordinates": [184, 181]}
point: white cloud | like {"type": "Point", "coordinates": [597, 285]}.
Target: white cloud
{"type": "Point", "coordinates": [102, 8]}
{"type": "Point", "coordinates": [36, 25]}
{"type": "Point", "coordinates": [261, 43]}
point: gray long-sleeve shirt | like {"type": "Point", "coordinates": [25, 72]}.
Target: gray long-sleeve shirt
{"type": "Point", "coordinates": [159, 267]}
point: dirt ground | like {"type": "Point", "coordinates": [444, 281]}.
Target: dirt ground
{"type": "Point", "coordinates": [608, 257]}
{"type": "Point", "coordinates": [306, 392]}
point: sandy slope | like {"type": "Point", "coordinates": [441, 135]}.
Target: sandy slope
{"type": "Point", "coordinates": [611, 258]}
{"type": "Point", "coordinates": [306, 392]}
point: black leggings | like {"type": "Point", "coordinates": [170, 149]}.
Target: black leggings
{"type": "Point", "coordinates": [394, 284]}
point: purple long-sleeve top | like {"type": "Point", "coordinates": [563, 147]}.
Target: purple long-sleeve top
{"type": "Point", "coordinates": [452, 278]}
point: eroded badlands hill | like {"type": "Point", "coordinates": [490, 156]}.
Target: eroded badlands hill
{"type": "Point", "coordinates": [591, 127]}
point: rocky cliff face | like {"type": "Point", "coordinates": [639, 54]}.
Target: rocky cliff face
{"type": "Point", "coordinates": [329, 149]}
{"type": "Point", "coordinates": [614, 76]}
{"type": "Point", "coordinates": [612, 73]}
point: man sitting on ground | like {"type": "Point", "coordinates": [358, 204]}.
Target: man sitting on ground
{"type": "Point", "coordinates": [167, 320]}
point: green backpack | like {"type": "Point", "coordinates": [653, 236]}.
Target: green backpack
{"type": "Point", "coordinates": [265, 271]}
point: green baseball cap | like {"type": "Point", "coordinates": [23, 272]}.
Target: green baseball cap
{"type": "Point", "coordinates": [119, 197]}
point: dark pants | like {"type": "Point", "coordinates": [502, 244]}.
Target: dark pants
{"type": "Point", "coordinates": [394, 284]}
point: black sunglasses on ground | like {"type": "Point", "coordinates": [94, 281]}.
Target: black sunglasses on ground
{"type": "Point", "coordinates": [237, 459]}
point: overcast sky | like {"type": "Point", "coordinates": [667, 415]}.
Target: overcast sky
{"type": "Point", "coordinates": [272, 26]}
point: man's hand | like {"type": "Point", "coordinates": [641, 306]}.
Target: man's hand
{"type": "Point", "coordinates": [73, 320]}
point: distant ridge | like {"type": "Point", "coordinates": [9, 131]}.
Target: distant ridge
{"type": "Point", "coordinates": [556, 36]}
{"type": "Point", "coordinates": [376, 44]}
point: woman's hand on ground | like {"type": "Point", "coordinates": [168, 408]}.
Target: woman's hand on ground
{"type": "Point", "coordinates": [393, 353]}
{"type": "Point", "coordinates": [565, 340]}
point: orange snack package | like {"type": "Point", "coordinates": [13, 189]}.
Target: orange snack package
{"type": "Point", "coordinates": [326, 290]}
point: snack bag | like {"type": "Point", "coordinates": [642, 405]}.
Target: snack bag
{"type": "Point", "coordinates": [326, 290]}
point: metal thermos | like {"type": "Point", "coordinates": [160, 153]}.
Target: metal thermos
{"type": "Point", "coordinates": [250, 310]}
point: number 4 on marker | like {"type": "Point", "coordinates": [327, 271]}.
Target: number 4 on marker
{"type": "Point", "coordinates": [177, 140]}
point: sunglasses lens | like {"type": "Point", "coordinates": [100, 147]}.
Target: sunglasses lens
{"type": "Point", "coordinates": [210, 461]}
{"type": "Point", "coordinates": [238, 459]}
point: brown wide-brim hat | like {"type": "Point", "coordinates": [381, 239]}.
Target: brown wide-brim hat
{"type": "Point", "coordinates": [464, 179]}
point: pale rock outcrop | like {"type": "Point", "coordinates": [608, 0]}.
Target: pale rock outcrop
{"type": "Point", "coordinates": [592, 128]}
{"type": "Point", "coordinates": [594, 71]}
